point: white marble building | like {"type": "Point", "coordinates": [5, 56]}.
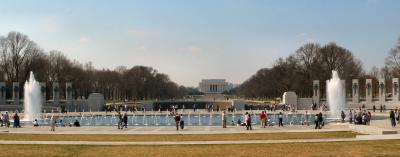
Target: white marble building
{"type": "Point", "coordinates": [213, 86]}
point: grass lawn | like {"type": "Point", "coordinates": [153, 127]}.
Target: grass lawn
{"type": "Point", "coordinates": [176, 137]}
{"type": "Point", "coordinates": [365, 148]}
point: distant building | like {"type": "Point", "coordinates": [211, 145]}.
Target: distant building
{"type": "Point", "coordinates": [213, 86]}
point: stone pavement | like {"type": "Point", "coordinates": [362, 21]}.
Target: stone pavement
{"type": "Point", "coordinates": [171, 129]}
{"type": "Point", "coordinates": [372, 131]}
{"type": "Point", "coordinates": [358, 138]}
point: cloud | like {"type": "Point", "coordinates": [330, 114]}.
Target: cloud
{"type": "Point", "coordinates": [84, 40]}
{"type": "Point", "coordinates": [190, 49]}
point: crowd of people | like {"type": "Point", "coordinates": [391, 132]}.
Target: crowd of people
{"type": "Point", "coordinates": [359, 116]}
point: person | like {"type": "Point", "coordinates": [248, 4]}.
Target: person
{"type": "Point", "coordinates": [398, 116]}
{"type": "Point", "coordinates": [6, 120]}
{"type": "Point", "coordinates": [76, 123]}
{"type": "Point", "coordinates": [263, 118]}
{"type": "Point", "coordinates": [53, 123]}
{"type": "Point", "coordinates": [320, 120]}
{"type": "Point", "coordinates": [280, 119]}
{"type": "Point", "coordinates": [177, 120]}
{"type": "Point", "coordinates": [232, 123]}
{"type": "Point", "coordinates": [381, 108]}
{"type": "Point", "coordinates": [125, 120]}
{"type": "Point", "coordinates": [306, 119]}
{"type": "Point", "coordinates": [1, 120]}
{"type": "Point", "coordinates": [61, 123]}
{"type": "Point", "coordinates": [373, 108]}
{"type": "Point", "coordinates": [35, 123]}
{"type": "Point", "coordinates": [316, 121]}
{"type": "Point", "coordinates": [343, 116]}
{"type": "Point", "coordinates": [369, 116]}
{"type": "Point", "coordinates": [16, 121]}
{"type": "Point", "coordinates": [239, 122]}
{"type": "Point", "coordinates": [392, 118]}
{"type": "Point", "coordinates": [247, 119]}
{"type": "Point", "coordinates": [181, 122]}
{"type": "Point", "coordinates": [223, 116]}
{"type": "Point", "coordinates": [120, 120]}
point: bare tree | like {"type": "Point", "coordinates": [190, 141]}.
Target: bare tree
{"type": "Point", "coordinates": [16, 48]}
{"type": "Point", "coordinates": [393, 60]}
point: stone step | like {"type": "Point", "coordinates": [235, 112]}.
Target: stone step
{"type": "Point", "coordinates": [372, 130]}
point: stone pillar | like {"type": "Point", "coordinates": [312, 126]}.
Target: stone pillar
{"type": "Point", "coordinates": [356, 92]}
{"type": "Point", "coordinates": [15, 89]}
{"type": "Point", "coordinates": [43, 91]}
{"type": "Point", "coordinates": [68, 95]}
{"type": "Point", "coordinates": [316, 91]}
{"type": "Point", "coordinates": [2, 93]}
{"type": "Point", "coordinates": [368, 91]}
{"type": "Point", "coordinates": [395, 89]}
{"type": "Point", "coordinates": [56, 94]}
{"type": "Point", "coordinates": [344, 89]}
{"type": "Point", "coordinates": [382, 90]}
{"type": "Point", "coordinates": [68, 91]}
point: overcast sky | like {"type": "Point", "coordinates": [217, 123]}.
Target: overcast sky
{"type": "Point", "coordinates": [192, 40]}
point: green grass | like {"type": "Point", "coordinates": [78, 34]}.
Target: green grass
{"type": "Point", "coordinates": [364, 148]}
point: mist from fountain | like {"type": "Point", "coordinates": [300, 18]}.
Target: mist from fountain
{"type": "Point", "coordinates": [336, 95]}
{"type": "Point", "coordinates": [32, 99]}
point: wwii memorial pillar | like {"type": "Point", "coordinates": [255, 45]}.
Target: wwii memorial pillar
{"type": "Point", "coordinates": [356, 92]}
{"type": "Point", "coordinates": [368, 91]}
{"type": "Point", "coordinates": [382, 90]}
{"type": "Point", "coordinates": [56, 94]}
{"type": "Point", "coordinates": [316, 92]}
{"type": "Point", "coordinates": [15, 91]}
{"type": "Point", "coordinates": [2, 93]}
{"type": "Point", "coordinates": [395, 89]}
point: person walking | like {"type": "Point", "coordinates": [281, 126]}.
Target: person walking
{"type": "Point", "coordinates": [16, 121]}
{"type": "Point", "coordinates": [320, 120]}
{"type": "Point", "coordinates": [125, 120]}
{"type": "Point", "coordinates": [120, 120]}
{"type": "Point", "coordinates": [248, 121]}
{"type": "Point", "coordinates": [182, 122]}
{"type": "Point", "coordinates": [263, 118]}
{"type": "Point", "coordinates": [343, 116]}
{"type": "Point", "coordinates": [6, 120]}
{"type": "Point", "coordinates": [177, 121]}
{"type": "Point", "coordinates": [280, 119]}
{"type": "Point", "coordinates": [223, 119]}
{"type": "Point", "coordinates": [53, 123]}
{"type": "Point", "coordinates": [392, 118]}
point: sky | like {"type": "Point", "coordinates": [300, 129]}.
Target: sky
{"type": "Point", "coordinates": [192, 40]}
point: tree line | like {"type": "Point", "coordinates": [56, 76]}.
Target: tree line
{"type": "Point", "coordinates": [315, 62]}
{"type": "Point", "coordinates": [20, 55]}
{"type": "Point", "coordinates": [296, 72]}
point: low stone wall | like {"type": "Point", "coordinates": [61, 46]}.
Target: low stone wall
{"type": "Point", "coordinates": [304, 103]}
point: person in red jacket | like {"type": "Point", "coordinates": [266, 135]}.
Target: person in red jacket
{"type": "Point", "coordinates": [263, 119]}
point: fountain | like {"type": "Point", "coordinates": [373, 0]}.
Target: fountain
{"type": "Point", "coordinates": [335, 94]}
{"type": "Point", "coordinates": [32, 99]}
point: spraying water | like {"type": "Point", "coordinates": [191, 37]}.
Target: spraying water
{"type": "Point", "coordinates": [32, 99]}
{"type": "Point", "coordinates": [336, 95]}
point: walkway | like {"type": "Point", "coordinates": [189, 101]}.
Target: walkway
{"type": "Point", "coordinates": [358, 138]}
